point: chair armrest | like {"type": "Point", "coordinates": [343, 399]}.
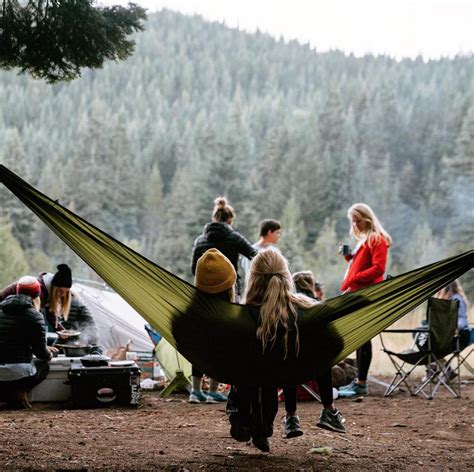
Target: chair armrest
{"type": "Point", "coordinates": [414, 330]}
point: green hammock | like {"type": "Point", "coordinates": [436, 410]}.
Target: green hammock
{"type": "Point", "coordinates": [219, 337]}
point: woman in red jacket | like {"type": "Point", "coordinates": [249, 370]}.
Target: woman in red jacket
{"type": "Point", "coordinates": [367, 264]}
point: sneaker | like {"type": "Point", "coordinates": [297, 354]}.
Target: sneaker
{"type": "Point", "coordinates": [355, 387]}
{"type": "Point", "coordinates": [292, 427]}
{"type": "Point", "coordinates": [331, 420]}
{"type": "Point", "coordinates": [261, 442]}
{"type": "Point", "coordinates": [215, 397]}
{"type": "Point", "coordinates": [197, 396]}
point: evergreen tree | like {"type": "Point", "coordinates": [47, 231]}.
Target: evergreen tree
{"type": "Point", "coordinates": [13, 157]}
{"type": "Point", "coordinates": [291, 243]}
{"type": "Point", "coordinates": [326, 263]}
{"type": "Point", "coordinates": [53, 40]}
{"type": "Point", "coordinates": [12, 258]}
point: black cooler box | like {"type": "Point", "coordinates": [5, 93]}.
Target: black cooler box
{"type": "Point", "coordinates": [103, 386]}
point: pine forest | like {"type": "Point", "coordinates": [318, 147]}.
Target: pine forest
{"type": "Point", "coordinates": [141, 148]}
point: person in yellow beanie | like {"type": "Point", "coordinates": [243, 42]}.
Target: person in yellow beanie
{"type": "Point", "coordinates": [214, 275]}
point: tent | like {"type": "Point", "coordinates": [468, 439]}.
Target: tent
{"type": "Point", "coordinates": [117, 323]}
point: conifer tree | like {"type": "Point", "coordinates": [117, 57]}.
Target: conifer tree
{"type": "Point", "coordinates": [56, 38]}
{"type": "Point", "coordinates": [12, 258]}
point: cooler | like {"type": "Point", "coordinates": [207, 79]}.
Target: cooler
{"type": "Point", "coordinates": [53, 388]}
{"type": "Point", "coordinates": [103, 386]}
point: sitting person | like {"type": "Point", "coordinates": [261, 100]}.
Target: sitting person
{"type": "Point", "coordinates": [214, 274]}
{"type": "Point", "coordinates": [454, 291]}
{"type": "Point", "coordinates": [330, 418]}
{"type": "Point", "coordinates": [277, 307]}
{"type": "Point", "coordinates": [22, 334]}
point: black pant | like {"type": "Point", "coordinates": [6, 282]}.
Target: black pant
{"type": "Point", "coordinates": [364, 358]}
{"type": "Point", "coordinates": [195, 372]}
{"type": "Point", "coordinates": [26, 383]}
{"type": "Point", "coordinates": [255, 406]}
{"type": "Point", "coordinates": [324, 382]}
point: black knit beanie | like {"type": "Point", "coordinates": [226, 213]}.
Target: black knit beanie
{"type": "Point", "coordinates": [63, 277]}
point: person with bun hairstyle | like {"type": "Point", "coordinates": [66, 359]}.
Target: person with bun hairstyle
{"type": "Point", "coordinates": [367, 264]}
{"type": "Point", "coordinates": [22, 334]}
{"type": "Point", "coordinates": [219, 234]}
{"type": "Point", "coordinates": [215, 275]}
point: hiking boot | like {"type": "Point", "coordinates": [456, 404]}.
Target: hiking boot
{"type": "Point", "coordinates": [356, 388]}
{"type": "Point", "coordinates": [238, 429]}
{"type": "Point", "coordinates": [261, 442]}
{"type": "Point", "coordinates": [215, 397]}
{"type": "Point", "coordinates": [197, 396]}
{"type": "Point", "coordinates": [292, 427]}
{"type": "Point", "coordinates": [331, 420]}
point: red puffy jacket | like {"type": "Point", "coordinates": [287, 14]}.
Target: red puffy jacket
{"type": "Point", "coordinates": [367, 266]}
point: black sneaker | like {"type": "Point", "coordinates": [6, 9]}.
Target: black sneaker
{"type": "Point", "coordinates": [261, 443]}
{"type": "Point", "coordinates": [331, 420]}
{"type": "Point", "coordinates": [292, 427]}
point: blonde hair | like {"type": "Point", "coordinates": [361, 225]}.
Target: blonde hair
{"type": "Point", "coordinates": [374, 231]}
{"type": "Point", "coordinates": [271, 288]}
{"type": "Point", "coordinates": [304, 280]}
{"type": "Point", "coordinates": [446, 293]}
{"type": "Point", "coordinates": [222, 212]}
{"type": "Point", "coordinates": [37, 303]}
{"type": "Point", "coordinates": [59, 304]}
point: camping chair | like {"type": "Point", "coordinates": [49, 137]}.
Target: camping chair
{"type": "Point", "coordinates": [463, 358]}
{"type": "Point", "coordinates": [436, 340]}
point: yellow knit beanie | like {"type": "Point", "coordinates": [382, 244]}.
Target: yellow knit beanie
{"type": "Point", "coordinates": [214, 272]}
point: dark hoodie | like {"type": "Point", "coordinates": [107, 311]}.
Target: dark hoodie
{"type": "Point", "coordinates": [223, 237]}
{"type": "Point", "coordinates": [22, 331]}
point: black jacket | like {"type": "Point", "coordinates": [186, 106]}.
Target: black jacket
{"type": "Point", "coordinates": [223, 237]}
{"type": "Point", "coordinates": [22, 331]}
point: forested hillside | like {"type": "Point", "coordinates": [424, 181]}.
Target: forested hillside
{"type": "Point", "coordinates": [142, 148]}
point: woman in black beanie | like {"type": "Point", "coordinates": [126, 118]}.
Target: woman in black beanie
{"type": "Point", "coordinates": [62, 308]}
{"type": "Point", "coordinates": [55, 293]}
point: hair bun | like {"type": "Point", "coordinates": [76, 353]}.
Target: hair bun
{"type": "Point", "coordinates": [220, 202]}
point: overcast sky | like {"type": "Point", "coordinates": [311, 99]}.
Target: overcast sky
{"type": "Point", "coordinates": [400, 28]}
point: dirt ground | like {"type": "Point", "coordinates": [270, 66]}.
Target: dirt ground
{"type": "Point", "coordinates": [397, 433]}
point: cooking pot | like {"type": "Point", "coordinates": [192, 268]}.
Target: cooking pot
{"type": "Point", "coordinates": [73, 350]}
{"type": "Point", "coordinates": [94, 360]}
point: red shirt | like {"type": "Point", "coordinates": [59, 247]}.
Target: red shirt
{"type": "Point", "coordinates": [367, 267]}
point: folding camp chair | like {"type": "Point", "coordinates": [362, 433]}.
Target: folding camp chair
{"type": "Point", "coordinates": [436, 340]}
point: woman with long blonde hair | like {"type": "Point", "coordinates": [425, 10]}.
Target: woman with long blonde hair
{"type": "Point", "coordinates": [367, 264]}
{"type": "Point", "coordinates": [271, 290]}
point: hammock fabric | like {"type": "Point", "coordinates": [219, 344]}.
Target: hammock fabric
{"type": "Point", "coordinates": [219, 337]}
